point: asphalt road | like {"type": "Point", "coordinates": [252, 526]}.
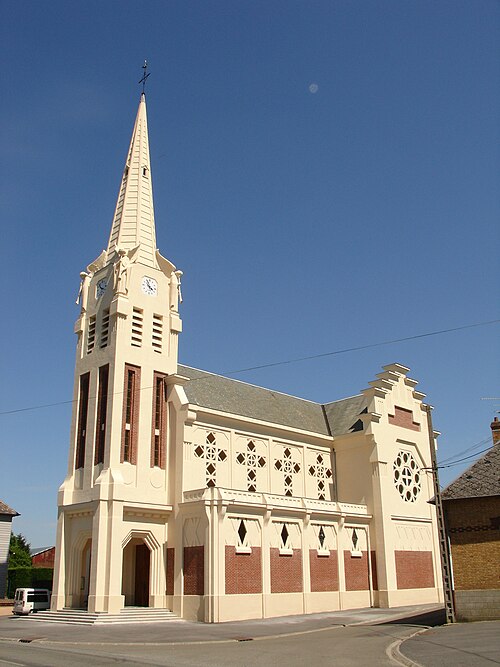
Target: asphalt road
{"type": "Point", "coordinates": [338, 646]}
{"type": "Point", "coordinates": [366, 637]}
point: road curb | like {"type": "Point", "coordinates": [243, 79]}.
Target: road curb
{"type": "Point", "coordinates": [395, 654]}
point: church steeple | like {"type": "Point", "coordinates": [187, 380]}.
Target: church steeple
{"type": "Point", "coordinates": [133, 221]}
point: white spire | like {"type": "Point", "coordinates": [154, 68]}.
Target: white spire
{"type": "Point", "coordinates": [134, 221]}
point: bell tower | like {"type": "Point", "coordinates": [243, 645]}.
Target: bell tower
{"type": "Point", "coordinates": [127, 346]}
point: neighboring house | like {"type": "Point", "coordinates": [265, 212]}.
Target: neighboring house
{"type": "Point", "coordinates": [43, 557]}
{"type": "Point", "coordinates": [6, 516]}
{"type": "Point", "coordinates": [472, 512]}
{"type": "Point", "coordinates": [213, 497]}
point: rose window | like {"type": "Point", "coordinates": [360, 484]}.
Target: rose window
{"type": "Point", "coordinates": [407, 477]}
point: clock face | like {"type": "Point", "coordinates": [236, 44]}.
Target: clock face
{"type": "Point", "coordinates": [149, 286]}
{"type": "Point", "coordinates": [101, 287]}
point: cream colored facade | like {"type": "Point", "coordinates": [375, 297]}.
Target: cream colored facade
{"type": "Point", "coordinates": [214, 498]}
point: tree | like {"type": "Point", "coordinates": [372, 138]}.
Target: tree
{"type": "Point", "coordinates": [19, 551]}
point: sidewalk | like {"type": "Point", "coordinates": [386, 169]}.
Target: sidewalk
{"type": "Point", "coordinates": [17, 628]}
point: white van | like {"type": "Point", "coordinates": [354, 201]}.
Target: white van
{"type": "Point", "coordinates": [28, 600]}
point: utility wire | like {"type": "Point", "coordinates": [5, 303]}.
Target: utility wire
{"type": "Point", "coordinates": [466, 458]}
{"type": "Point", "coordinates": [361, 347]}
{"type": "Point", "coordinates": [288, 361]}
{"type": "Point", "coordinates": [464, 451]}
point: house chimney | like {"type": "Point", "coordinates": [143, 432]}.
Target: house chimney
{"type": "Point", "coordinates": [495, 431]}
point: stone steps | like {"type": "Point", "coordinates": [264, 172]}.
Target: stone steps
{"type": "Point", "coordinates": [83, 617]}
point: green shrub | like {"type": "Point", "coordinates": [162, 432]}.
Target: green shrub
{"type": "Point", "coordinates": [28, 577]}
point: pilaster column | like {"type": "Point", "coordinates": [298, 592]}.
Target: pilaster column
{"type": "Point", "coordinates": [266, 561]}
{"type": "Point", "coordinates": [58, 600]}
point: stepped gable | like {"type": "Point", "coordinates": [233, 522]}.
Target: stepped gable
{"type": "Point", "coordinates": [481, 479]}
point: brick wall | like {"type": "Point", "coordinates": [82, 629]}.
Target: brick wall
{"type": "Point", "coordinates": [403, 417]}
{"type": "Point", "coordinates": [243, 571]}
{"type": "Point", "coordinates": [170, 571]}
{"type": "Point", "coordinates": [324, 571]}
{"type": "Point", "coordinates": [45, 558]}
{"type": "Point", "coordinates": [286, 572]}
{"type": "Point", "coordinates": [194, 571]}
{"type": "Point", "coordinates": [356, 572]}
{"type": "Point", "coordinates": [473, 525]}
{"type": "Point", "coordinates": [414, 569]}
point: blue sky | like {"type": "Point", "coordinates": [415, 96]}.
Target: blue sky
{"type": "Point", "coordinates": [306, 220]}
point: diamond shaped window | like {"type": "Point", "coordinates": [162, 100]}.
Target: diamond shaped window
{"type": "Point", "coordinates": [284, 535]}
{"type": "Point", "coordinates": [321, 536]}
{"type": "Point", "coordinates": [242, 531]}
{"type": "Point", "coordinates": [354, 539]}
{"type": "Point", "coordinates": [199, 451]}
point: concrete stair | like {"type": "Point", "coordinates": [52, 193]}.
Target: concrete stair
{"type": "Point", "coordinates": [83, 617]}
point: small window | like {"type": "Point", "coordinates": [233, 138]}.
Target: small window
{"type": "Point", "coordinates": [284, 536]}
{"type": "Point", "coordinates": [157, 334]}
{"type": "Point", "coordinates": [137, 325]}
{"type": "Point", "coordinates": [242, 532]}
{"type": "Point", "coordinates": [91, 334]}
{"type": "Point", "coordinates": [104, 328]}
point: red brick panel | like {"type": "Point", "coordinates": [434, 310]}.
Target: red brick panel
{"type": "Point", "coordinates": [404, 418]}
{"type": "Point", "coordinates": [243, 571]}
{"type": "Point", "coordinates": [170, 571]}
{"type": "Point", "coordinates": [414, 569]}
{"type": "Point", "coordinates": [286, 572]}
{"type": "Point", "coordinates": [356, 572]}
{"type": "Point", "coordinates": [134, 417]}
{"type": "Point", "coordinates": [374, 570]}
{"type": "Point", "coordinates": [194, 571]}
{"type": "Point", "coordinates": [324, 571]}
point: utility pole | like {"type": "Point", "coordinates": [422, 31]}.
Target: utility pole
{"type": "Point", "coordinates": [443, 537]}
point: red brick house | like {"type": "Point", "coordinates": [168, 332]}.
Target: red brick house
{"type": "Point", "coordinates": [472, 513]}
{"type": "Point", "coordinates": [43, 557]}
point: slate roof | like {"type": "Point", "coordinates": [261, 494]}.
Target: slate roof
{"type": "Point", "coordinates": [343, 415]}
{"type": "Point", "coordinates": [5, 509]}
{"type": "Point", "coordinates": [481, 479]}
{"type": "Point", "coordinates": [224, 394]}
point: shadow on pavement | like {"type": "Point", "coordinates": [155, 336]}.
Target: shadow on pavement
{"type": "Point", "coordinates": [432, 618]}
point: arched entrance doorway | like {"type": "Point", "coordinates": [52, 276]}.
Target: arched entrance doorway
{"type": "Point", "coordinates": [136, 573]}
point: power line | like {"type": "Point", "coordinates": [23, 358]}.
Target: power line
{"type": "Point", "coordinates": [466, 458]}
{"type": "Point", "coordinates": [468, 449]}
{"type": "Point", "coordinates": [362, 347]}
{"type": "Point", "coordinates": [288, 361]}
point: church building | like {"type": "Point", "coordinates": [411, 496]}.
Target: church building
{"type": "Point", "coordinates": [214, 498]}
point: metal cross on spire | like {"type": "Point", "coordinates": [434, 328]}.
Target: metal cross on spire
{"type": "Point", "coordinates": [144, 76]}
